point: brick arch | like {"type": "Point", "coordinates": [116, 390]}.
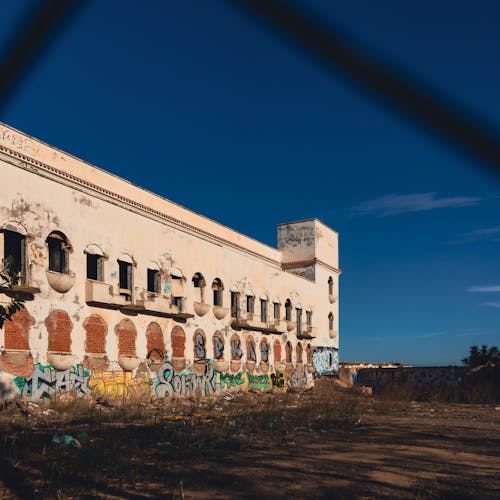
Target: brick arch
{"type": "Point", "coordinates": [299, 352]}
{"type": "Point", "coordinates": [277, 351]}
{"type": "Point", "coordinates": [288, 352]}
{"type": "Point", "coordinates": [127, 334]}
{"type": "Point", "coordinates": [265, 352]}
{"type": "Point", "coordinates": [95, 334]}
{"type": "Point", "coordinates": [178, 342]}
{"type": "Point", "coordinates": [199, 344]}
{"type": "Point", "coordinates": [236, 348]}
{"type": "Point", "coordinates": [154, 340]}
{"type": "Point", "coordinates": [17, 331]}
{"type": "Point", "coordinates": [251, 349]}
{"type": "Point", "coordinates": [309, 354]}
{"type": "Point", "coordinates": [59, 326]}
{"type": "Point", "coordinates": [218, 340]}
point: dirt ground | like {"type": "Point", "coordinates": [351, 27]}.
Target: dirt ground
{"type": "Point", "coordinates": [378, 449]}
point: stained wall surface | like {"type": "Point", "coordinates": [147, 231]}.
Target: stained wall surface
{"type": "Point", "coordinates": [89, 336]}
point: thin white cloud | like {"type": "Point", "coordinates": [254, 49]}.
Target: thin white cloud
{"type": "Point", "coordinates": [472, 334]}
{"type": "Point", "coordinates": [485, 233]}
{"type": "Point", "coordinates": [491, 304]}
{"type": "Point", "coordinates": [394, 204]}
{"type": "Point", "coordinates": [429, 335]}
{"type": "Point", "coordinates": [484, 289]}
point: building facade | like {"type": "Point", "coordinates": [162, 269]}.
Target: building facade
{"type": "Point", "coordinates": [128, 294]}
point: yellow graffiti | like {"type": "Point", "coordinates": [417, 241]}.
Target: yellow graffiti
{"type": "Point", "coordinates": [120, 384]}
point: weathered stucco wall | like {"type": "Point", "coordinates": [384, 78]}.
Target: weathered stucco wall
{"type": "Point", "coordinates": [64, 341]}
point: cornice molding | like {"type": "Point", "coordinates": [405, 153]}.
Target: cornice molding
{"type": "Point", "coordinates": [42, 169]}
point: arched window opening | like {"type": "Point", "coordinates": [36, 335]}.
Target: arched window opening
{"type": "Point", "coordinates": [264, 351]}
{"type": "Point", "coordinates": [14, 255]}
{"type": "Point", "coordinates": [199, 285]}
{"type": "Point", "coordinates": [330, 321]}
{"type": "Point", "coordinates": [277, 351]}
{"type": "Point", "coordinates": [309, 354]}
{"type": "Point", "coordinates": [288, 352]}
{"type": "Point", "coordinates": [178, 342]}
{"type": "Point", "coordinates": [59, 249]}
{"type": "Point", "coordinates": [199, 345]}
{"type": "Point", "coordinates": [330, 286]}
{"type": "Point", "coordinates": [251, 353]}
{"type": "Point", "coordinates": [217, 288]}
{"type": "Point", "coordinates": [300, 351]}
{"type": "Point", "coordinates": [218, 345]}
{"type": "Point", "coordinates": [236, 352]}
{"type": "Point", "coordinates": [288, 310]}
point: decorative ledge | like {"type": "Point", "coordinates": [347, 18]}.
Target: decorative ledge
{"type": "Point", "coordinates": [243, 324]}
{"type": "Point", "coordinates": [220, 312]}
{"type": "Point", "coordinates": [200, 308]}
{"type": "Point", "coordinates": [60, 282]}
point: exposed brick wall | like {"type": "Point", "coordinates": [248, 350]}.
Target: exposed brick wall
{"type": "Point", "coordinates": [277, 351]}
{"type": "Point", "coordinates": [178, 342]}
{"type": "Point", "coordinates": [127, 334]}
{"type": "Point", "coordinates": [299, 352]}
{"type": "Point", "coordinates": [17, 331]}
{"type": "Point", "coordinates": [288, 352]}
{"type": "Point", "coordinates": [95, 334]}
{"type": "Point", "coordinates": [309, 354]}
{"type": "Point", "coordinates": [154, 339]}
{"type": "Point", "coordinates": [59, 326]}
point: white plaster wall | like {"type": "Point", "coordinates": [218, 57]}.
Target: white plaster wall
{"type": "Point", "coordinates": [43, 205]}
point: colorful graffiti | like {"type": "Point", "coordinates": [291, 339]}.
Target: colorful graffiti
{"type": "Point", "coordinates": [185, 383]}
{"type": "Point", "coordinates": [229, 380]}
{"type": "Point", "coordinates": [45, 381]}
{"type": "Point", "coordinates": [258, 382]}
{"type": "Point", "coordinates": [120, 384]}
{"type": "Point", "coordinates": [278, 380]}
{"type": "Point", "coordinates": [325, 361]}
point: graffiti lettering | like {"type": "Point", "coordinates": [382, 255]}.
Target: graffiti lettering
{"type": "Point", "coordinates": [236, 352]}
{"type": "Point", "coordinates": [251, 352]}
{"type": "Point", "coordinates": [258, 382]}
{"type": "Point", "coordinates": [278, 380]}
{"type": "Point", "coordinates": [200, 346]}
{"type": "Point", "coordinates": [120, 384]}
{"type": "Point", "coordinates": [45, 381]}
{"type": "Point", "coordinates": [185, 383]}
{"type": "Point", "coordinates": [218, 347]}
{"type": "Point", "coordinates": [325, 361]}
{"type": "Point", "coordinates": [264, 352]}
{"type": "Point", "coordinates": [231, 380]}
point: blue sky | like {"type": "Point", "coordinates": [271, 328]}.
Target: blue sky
{"type": "Point", "coordinates": [199, 103]}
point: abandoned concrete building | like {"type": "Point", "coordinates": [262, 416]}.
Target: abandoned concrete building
{"type": "Point", "coordinates": [128, 294]}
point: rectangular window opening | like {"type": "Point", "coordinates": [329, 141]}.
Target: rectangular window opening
{"type": "Point", "coordinates": [250, 304]}
{"type": "Point", "coordinates": [263, 311]}
{"type": "Point", "coordinates": [125, 278]}
{"type": "Point", "coordinates": [154, 281]}
{"type": "Point", "coordinates": [14, 255]}
{"type": "Point", "coordinates": [95, 267]}
{"type": "Point", "coordinates": [235, 305]}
